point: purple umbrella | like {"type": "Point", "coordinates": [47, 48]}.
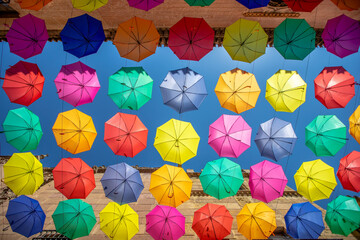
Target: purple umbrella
{"type": "Point", "coordinates": [342, 36]}
{"type": "Point", "coordinates": [145, 5]}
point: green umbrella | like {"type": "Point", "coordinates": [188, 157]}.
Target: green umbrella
{"type": "Point", "coordinates": [325, 135]}
{"type": "Point", "coordinates": [221, 178]}
{"type": "Point", "coordinates": [22, 129]}
{"type": "Point", "coordinates": [294, 39]}
{"type": "Point", "coordinates": [200, 3]}
{"type": "Point", "coordinates": [74, 218]}
{"type": "Point", "coordinates": [343, 215]}
{"type": "Point", "coordinates": [130, 87]}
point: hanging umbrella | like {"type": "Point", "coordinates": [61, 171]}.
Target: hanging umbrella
{"type": "Point", "coordinates": [74, 131]}
{"type": "Point", "coordinates": [176, 141]}
{"type": "Point", "coordinates": [229, 136]}
{"type": "Point", "coordinates": [122, 183]}
{"type": "Point", "coordinates": [88, 5]}
{"type": "Point", "coordinates": [145, 5]}
{"type": "Point", "coordinates": [275, 139]}
{"type": "Point", "coordinates": [325, 135]}
{"type": "Point", "coordinates": [23, 173]}
{"type": "Point", "coordinates": [33, 4]}
{"type": "Point", "coordinates": [237, 90]}
{"type": "Point", "coordinates": [354, 124]}
{"type": "Point", "coordinates": [170, 185]}
{"type": "Point", "coordinates": [302, 5]}
{"type": "Point", "coordinates": [82, 35]}
{"type": "Point", "coordinates": [191, 38]}
{"type": "Point", "coordinates": [25, 216]}
{"type": "Point", "coordinates": [221, 178]}
{"type": "Point", "coordinates": [200, 3]}
{"type": "Point", "coordinates": [212, 221]}
{"type": "Point", "coordinates": [136, 39]}
{"type": "Point", "coordinates": [349, 171]}
{"type": "Point", "coordinates": [347, 4]}
{"type": "Point", "coordinates": [250, 4]}
{"type": "Point", "coordinates": [183, 90]}
{"type": "Point", "coordinates": [245, 40]}
{"type": "Point", "coordinates": [165, 223]}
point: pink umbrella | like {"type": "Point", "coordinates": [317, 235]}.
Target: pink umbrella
{"type": "Point", "coordinates": [77, 84]}
{"type": "Point", "coordinates": [267, 181]}
{"type": "Point", "coordinates": [164, 222]}
{"type": "Point", "coordinates": [145, 5]}
{"type": "Point", "coordinates": [229, 136]}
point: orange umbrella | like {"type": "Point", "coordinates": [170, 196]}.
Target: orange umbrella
{"type": "Point", "coordinates": [33, 4]}
{"type": "Point", "coordinates": [347, 4]}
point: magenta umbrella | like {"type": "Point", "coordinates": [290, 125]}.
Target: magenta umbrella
{"type": "Point", "coordinates": [145, 5]}
{"type": "Point", "coordinates": [164, 222]}
{"type": "Point", "coordinates": [267, 181]}
{"type": "Point", "coordinates": [229, 136]}
{"type": "Point", "coordinates": [77, 83]}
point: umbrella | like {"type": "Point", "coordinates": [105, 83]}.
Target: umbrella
{"type": "Point", "coordinates": [77, 84]}
{"type": "Point", "coordinates": [33, 4]}
{"type": "Point", "coordinates": [334, 87]}
{"type": "Point", "coordinates": [25, 216]}
{"type": "Point", "coordinates": [82, 35]}
{"type": "Point", "coordinates": [145, 5]}
{"type": "Point", "coordinates": [325, 135]}
{"type": "Point", "coordinates": [285, 91]}
{"type": "Point", "coordinates": [354, 124]}
{"type": "Point", "coordinates": [22, 129]}
{"type": "Point", "coordinates": [304, 221]}
{"type": "Point", "coordinates": [176, 141]}
{"type": "Point", "coordinates": [250, 4]}
{"type": "Point", "coordinates": [23, 173]}
{"type": "Point", "coordinates": [315, 180]}
{"type": "Point", "coordinates": [349, 171]}
{"type": "Point", "coordinates": [267, 181]}
{"type": "Point", "coordinates": [191, 38]}
{"type": "Point", "coordinates": [73, 178]}
{"type": "Point", "coordinates": [200, 3]}
{"type": "Point", "coordinates": [221, 178]}
{"type": "Point", "coordinates": [23, 83]}
{"type": "Point", "coordinates": [341, 36]}
{"type": "Point", "coordinates": [347, 4]}
{"type": "Point", "coordinates": [119, 222]}
{"type": "Point", "coordinates": [88, 5]}
{"type": "Point", "coordinates": [183, 90]}
{"type": "Point", "coordinates": [122, 183]}
{"type": "Point", "coordinates": [130, 88]}
{"type": "Point", "coordinates": [229, 136]}
{"type": "Point", "coordinates": [256, 221]}
{"type": "Point", "coordinates": [245, 40]}
{"type": "Point", "coordinates": [74, 131]}
{"type": "Point", "coordinates": [212, 221]}
{"type": "Point", "coordinates": [125, 134]}
{"type": "Point", "coordinates": [237, 90]}
{"type": "Point", "coordinates": [170, 185]}
{"type": "Point", "coordinates": [165, 223]}
{"type": "Point", "coordinates": [136, 39]}
{"type": "Point", "coordinates": [74, 218]}
{"type": "Point", "coordinates": [302, 5]}
{"type": "Point", "coordinates": [275, 139]}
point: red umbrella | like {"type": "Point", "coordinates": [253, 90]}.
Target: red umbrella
{"type": "Point", "coordinates": [23, 83]}
{"type": "Point", "coordinates": [349, 171]}
{"type": "Point", "coordinates": [302, 5]}
{"type": "Point", "coordinates": [74, 178]}
{"type": "Point", "coordinates": [125, 134]}
{"type": "Point", "coordinates": [191, 38]}
{"type": "Point", "coordinates": [334, 87]}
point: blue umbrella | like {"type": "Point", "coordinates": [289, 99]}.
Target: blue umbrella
{"type": "Point", "coordinates": [250, 4]}
{"type": "Point", "coordinates": [122, 183]}
{"type": "Point", "coordinates": [183, 90]}
{"type": "Point", "coordinates": [82, 35]}
{"type": "Point", "coordinates": [25, 216]}
{"type": "Point", "coordinates": [275, 139]}
{"type": "Point", "coordinates": [304, 221]}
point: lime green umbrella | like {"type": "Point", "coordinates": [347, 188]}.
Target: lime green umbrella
{"type": "Point", "coordinates": [200, 3]}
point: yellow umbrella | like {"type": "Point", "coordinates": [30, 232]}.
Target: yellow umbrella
{"type": "Point", "coordinates": [170, 185]}
{"type": "Point", "coordinates": [88, 5]}
{"type": "Point", "coordinates": [23, 173]}
{"type": "Point", "coordinates": [119, 221]}
{"type": "Point", "coordinates": [74, 131]}
{"type": "Point", "coordinates": [315, 180]}
{"type": "Point", "coordinates": [285, 91]}
{"type": "Point", "coordinates": [237, 90]}
{"type": "Point", "coordinates": [176, 141]}
{"type": "Point", "coordinates": [354, 124]}
{"type": "Point", "coordinates": [256, 221]}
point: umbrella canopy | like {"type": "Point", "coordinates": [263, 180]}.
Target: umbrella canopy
{"type": "Point", "coordinates": [145, 5]}
{"type": "Point", "coordinates": [74, 131]}
{"type": "Point", "coordinates": [347, 4]}
{"type": "Point", "coordinates": [349, 171]}
{"type": "Point", "coordinates": [82, 35]}
{"type": "Point", "coordinates": [237, 90]}
{"type": "Point", "coordinates": [221, 178]}
{"type": "Point", "coordinates": [183, 90]}
{"type": "Point", "coordinates": [302, 5]}
{"type": "Point", "coordinates": [325, 135]}
{"type": "Point", "coordinates": [33, 4]}
{"type": "Point", "coordinates": [354, 124]}
{"type": "Point", "coordinates": [250, 4]}
{"type": "Point", "coordinates": [245, 40]}
{"type": "Point", "coordinates": [23, 173]}
{"type": "Point", "coordinates": [88, 5]}
{"type": "Point", "coordinates": [229, 136]}
{"type": "Point", "coordinates": [122, 183]}
{"type": "Point", "coordinates": [200, 3]}
{"type": "Point", "coordinates": [136, 39]}
{"type": "Point", "coordinates": [170, 185]}
{"type": "Point", "coordinates": [165, 223]}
